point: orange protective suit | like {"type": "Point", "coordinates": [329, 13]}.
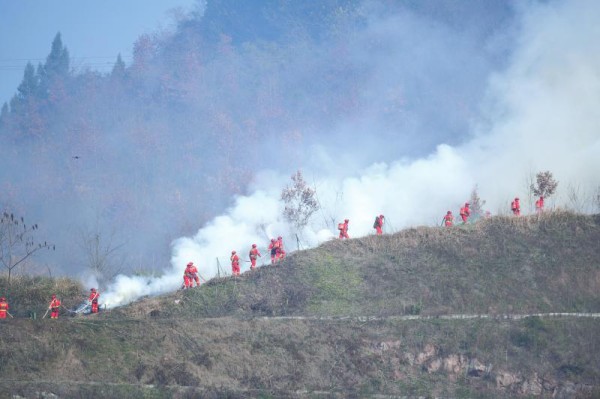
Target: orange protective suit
{"type": "Point", "coordinates": [273, 250]}
{"type": "Point", "coordinates": [3, 308]}
{"type": "Point", "coordinates": [235, 264]}
{"type": "Point", "coordinates": [465, 212]}
{"type": "Point", "coordinates": [515, 206]}
{"type": "Point", "coordinates": [378, 225]}
{"type": "Point", "coordinates": [94, 295]}
{"type": "Point", "coordinates": [280, 251]}
{"type": "Point", "coordinates": [54, 307]}
{"type": "Point", "coordinates": [343, 228]}
{"type": "Point", "coordinates": [539, 205]}
{"type": "Point", "coordinates": [448, 219]}
{"type": "Point", "coordinates": [190, 275]}
{"type": "Point", "coordinates": [254, 254]}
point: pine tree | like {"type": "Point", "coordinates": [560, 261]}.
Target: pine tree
{"type": "Point", "coordinates": [55, 70]}
{"type": "Point", "coordinates": [29, 85]}
{"type": "Point", "coordinates": [118, 71]}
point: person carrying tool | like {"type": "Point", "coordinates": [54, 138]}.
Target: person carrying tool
{"type": "Point", "coordinates": [254, 254]}
{"type": "Point", "coordinates": [465, 212]}
{"type": "Point", "coordinates": [539, 205]}
{"type": "Point", "coordinates": [515, 206]}
{"type": "Point", "coordinates": [54, 307]}
{"type": "Point", "coordinates": [343, 228]}
{"type": "Point", "coordinates": [280, 250]}
{"type": "Point", "coordinates": [273, 249]}
{"type": "Point", "coordinates": [93, 299]}
{"type": "Point", "coordinates": [235, 264]}
{"type": "Point", "coordinates": [4, 308]}
{"type": "Point", "coordinates": [448, 219]}
{"type": "Point", "coordinates": [190, 275]}
{"type": "Point", "coordinates": [378, 224]}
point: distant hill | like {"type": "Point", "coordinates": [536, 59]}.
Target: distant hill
{"type": "Point", "coordinates": [367, 317]}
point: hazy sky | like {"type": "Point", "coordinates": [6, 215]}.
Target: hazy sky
{"type": "Point", "coordinates": [93, 31]}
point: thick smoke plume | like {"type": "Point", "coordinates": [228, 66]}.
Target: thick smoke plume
{"type": "Point", "coordinates": [540, 113]}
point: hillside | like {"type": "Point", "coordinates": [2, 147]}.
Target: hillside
{"type": "Point", "coordinates": [368, 317]}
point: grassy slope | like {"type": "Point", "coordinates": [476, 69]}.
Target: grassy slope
{"type": "Point", "coordinates": [210, 337]}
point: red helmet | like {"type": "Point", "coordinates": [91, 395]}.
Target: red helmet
{"type": "Point", "coordinates": [279, 238]}
{"type": "Point", "coordinates": [253, 245]}
{"type": "Point", "coordinates": [190, 263]}
{"type": "Point", "coordinates": [516, 198]}
{"type": "Point", "coordinates": [53, 296]}
{"type": "Point", "coordinates": [541, 197]}
{"type": "Point", "coordinates": [232, 252]}
{"type": "Point", "coordinates": [272, 240]}
{"type": "Point", "coordinates": [449, 212]}
{"type": "Point", "coordinates": [93, 290]}
{"type": "Point", "coordinates": [3, 299]}
{"type": "Point", "coordinates": [381, 216]}
{"type": "Point", "coordinates": [467, 204]}
{"type": "Point", "coordinates": [347, 220]}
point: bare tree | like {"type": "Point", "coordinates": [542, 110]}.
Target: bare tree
{"type": "Point", "coordinates": [300, 201]}
{"type": "Point", "coordinates": [101, 252]}
{"type": "Point", "coordinates": [17, 242]}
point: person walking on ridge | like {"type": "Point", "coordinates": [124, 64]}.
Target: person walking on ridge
{"type": "Point", "coordinates": [343, 228]}
{"type": "Point", "coordinates": [378, 224]}
{"type": "Point", "coordinates": [515, 206]}
{"type": "Point", "coordinates": [539, 205]}
{"type": "Point", "coordinates": [254, 254]}
{"type": "Point", "coordinates": [449, 219]}
{"type": "Point", "coordinates": [235, 264]}
{"type": "Point", "coordinates": [465, 212]}
{"type": "Point", "coordinates": [280, 250]}
{"type": "Point", "coordinates": [273, 250]}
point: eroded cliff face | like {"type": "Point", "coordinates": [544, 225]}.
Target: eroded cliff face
{"type": "Point", "coordinates": [456, 366]}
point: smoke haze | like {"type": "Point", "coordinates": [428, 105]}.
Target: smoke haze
{"type": "Point", "coordinates": [539, 113]}
{"type": "Point", "coordinates": [398, 108]}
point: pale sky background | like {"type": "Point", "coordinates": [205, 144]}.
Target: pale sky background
{"type": "Point", "coordinates": [94, 32]}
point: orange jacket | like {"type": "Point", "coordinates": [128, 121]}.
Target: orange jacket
{"type": "Point", "coordinates": [235, 260]}
{"type": "Point", "coordinates": [94, 295]}
{"type": "Point", "coordinates": [54, 304]}
{"type": "Point", "coordinates": [254, 253]}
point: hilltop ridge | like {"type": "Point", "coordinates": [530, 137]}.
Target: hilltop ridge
{"type": "Point", "coordinates": [329, 322]}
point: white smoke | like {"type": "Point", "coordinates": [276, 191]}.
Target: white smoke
{"type": "Point", "coordinates": [542, 113]}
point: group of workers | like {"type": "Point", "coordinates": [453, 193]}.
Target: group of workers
{"type": "Point", "coordinates": [515, 207]}
{"type": "Point", "coordinates": [53, 306]}
{"type": "Point", "coordinates": [377, 225]}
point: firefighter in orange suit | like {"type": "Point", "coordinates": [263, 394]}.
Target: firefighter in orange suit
{"type": "Point", "coordinates": [343, 228]}
{"type": "Point", "coordinates": [378, 224]}
{"type": "Point", "coordinates": [515, 207]}
{"type": "Point", "coordinates": [191, 273]}
{"type": "Point", "coordinates": [54, 307]}
{"type": "Point", "coordinates": [448, 219]}
{"type": "Point", "coordinates": [4, 308]}
{"type": "Point", "coordinates": [465, 212]}
{"type": "Point", "coordinates": [254, 254]}
{"type": "Point", "coordinates": [280, 250]}
{"type": "Point", "coordinates": [273, 249]}
{"type": "Point", "coordinates": [235, 264]}
{"type": "Point", "coordinates": [93, 299]}
{"type": "Point", "coordinates": [539, 205]}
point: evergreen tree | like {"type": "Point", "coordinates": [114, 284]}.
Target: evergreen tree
{"type": "Point", "coordinates": [57, 62]}
{"type": "Point", "coordinates": [56, 69]}
{"type": "Point", "coordinates": [118, 71]}
{"type": "Point", "coordinates": [29, 84]}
